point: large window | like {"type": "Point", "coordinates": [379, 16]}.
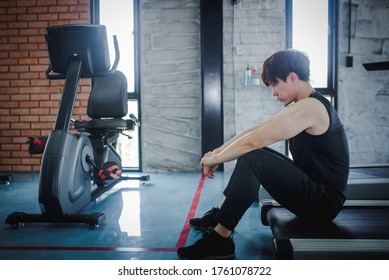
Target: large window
{"type": "Point", "coordinates": [120, 19]}
{"type": "Point", "coordinates": [311, 27]}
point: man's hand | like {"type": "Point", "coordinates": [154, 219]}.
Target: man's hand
{"type": "Point", "coordinates": [209, 170]}
{"type": "Point", "coordinates": [205, 163]}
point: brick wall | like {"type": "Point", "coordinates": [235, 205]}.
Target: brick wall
{"type": "Point", "coordinates": [28, 101]}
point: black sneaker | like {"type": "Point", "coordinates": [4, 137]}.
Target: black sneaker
{"type": "Point", "coordinates": [206, 222]}
{"type": "Point", "coordinates": [211, 247]}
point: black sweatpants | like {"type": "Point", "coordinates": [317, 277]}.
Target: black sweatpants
{"type": "Point", "coordinates": [284, 181]}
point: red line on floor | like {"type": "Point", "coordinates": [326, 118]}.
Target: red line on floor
{"type": "Point", "coordinates": [67, 248]}
{"type": "Point", "coordinates": [180, 243]}
{"type": "Point", "coordinates": [192, 210]}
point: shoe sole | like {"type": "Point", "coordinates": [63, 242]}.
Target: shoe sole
{"type": "Point", "coordinates": [227, 257]}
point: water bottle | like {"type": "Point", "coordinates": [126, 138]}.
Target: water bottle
{"type": "Point", "coordinates": [247, 76]}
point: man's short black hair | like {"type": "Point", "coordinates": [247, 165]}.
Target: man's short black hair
{"type": "Point", "coordinates": [280, 64]}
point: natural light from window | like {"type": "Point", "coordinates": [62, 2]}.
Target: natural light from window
{"type": "Point", "coordinates": [310, 34]}
{"type": "Point", "coordinates": [118, 17]}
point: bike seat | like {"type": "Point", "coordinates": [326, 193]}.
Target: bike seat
{"type": "Point", "coordinates": [107, 105]}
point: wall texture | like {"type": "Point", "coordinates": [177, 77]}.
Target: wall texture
{"type": "Point", "coordinates": [253, 30]}
{"type": "Point", "coordinates": [28, 101]}
{"type": "Point", "coordinates": [171, 78]}
{"type": "Point", "coordinates": [364, 96]}
{"type": "Point", "coordinates": [170, 85]}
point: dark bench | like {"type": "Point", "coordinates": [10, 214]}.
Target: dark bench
{"type": "Point", "coordinates": [360, 231]}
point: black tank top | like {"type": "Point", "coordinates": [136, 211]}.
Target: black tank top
{"type": "Point", "coordinates": [325, 158]}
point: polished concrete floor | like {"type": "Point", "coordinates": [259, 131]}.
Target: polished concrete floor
{"type": "Point", "coordinates": [143, 221]}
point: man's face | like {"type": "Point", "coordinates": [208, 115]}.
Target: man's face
{"type": "Point", "coordinates": [282, 91]}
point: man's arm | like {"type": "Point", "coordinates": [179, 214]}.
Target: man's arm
{"type": "Point", "coordinates": [307, 114]}
{"type": "Point", "coordinates": [240, 135]}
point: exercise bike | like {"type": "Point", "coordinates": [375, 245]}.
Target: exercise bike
{"type": "Point", "coordinates": [79, 167]}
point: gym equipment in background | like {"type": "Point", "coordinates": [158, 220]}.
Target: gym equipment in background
{"type": "Point", "coordinates": [79, 167]}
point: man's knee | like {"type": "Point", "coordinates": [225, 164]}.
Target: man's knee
{"type": "Point", "coordinates": [253, 158]}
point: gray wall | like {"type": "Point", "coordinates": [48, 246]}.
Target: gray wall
{"type": "Point", "coordinates": [364, 96]}
{"type": "Point", "coordinates": [253, 29]}
{"type": "Point", "coordinates": [170, 85]}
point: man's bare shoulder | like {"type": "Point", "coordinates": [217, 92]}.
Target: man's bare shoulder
{"type": "Point", "coordinates": [304, 106]}
{"type": "Point", "coordinates": [308, 114]}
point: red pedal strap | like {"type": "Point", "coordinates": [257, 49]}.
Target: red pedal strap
{"type": "Point", "coordinates": [38, 142]}
{"type": "Point", "coordinates": [109, 171]}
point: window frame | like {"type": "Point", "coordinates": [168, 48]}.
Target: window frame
{"type": "Point", "coordinates": [135, 95]}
